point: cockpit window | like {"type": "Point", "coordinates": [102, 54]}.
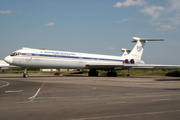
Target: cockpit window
{"type": "Point", "coordinates": [15, 54]}
{"type": "Point", "coordinates": [12, 54]}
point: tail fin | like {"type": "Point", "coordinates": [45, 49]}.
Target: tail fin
{"type": "Point", "coordinates": [138, 49]}
{"type": "Point", "coordinates": [126, 51]}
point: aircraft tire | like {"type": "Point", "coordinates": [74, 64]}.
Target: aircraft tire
{"type": "Point", "coordinates": [111, 74]}
{"type": "Point", "coordinates": [93, 73]}
{"type": "Point", "coordinates": [25, 75]}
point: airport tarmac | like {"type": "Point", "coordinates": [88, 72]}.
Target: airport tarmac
{"type": "Point", "coordinates": [78, 97]}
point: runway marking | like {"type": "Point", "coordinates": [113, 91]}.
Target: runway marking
{"type": "Point", "coordinates": [36, 92]}
{"type": "Point", "coordinates": [13, 91]}
{"type": "Point", "coordinates": [116, 102]}
{"type": "Point", "coordinates": [127, 115]}
{"type": "Point", "coordinates": [160, 99]}
{"type": "Point", "coordinates": [4, 85]}
{"type": "Point", "coordinates": [42, 85]}
{"type": "Point", "coordinates": [94, 88]}
{"type": "Point", "coordinates": [76, 97]}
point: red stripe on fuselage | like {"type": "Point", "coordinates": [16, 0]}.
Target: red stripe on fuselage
{"type": "Point", "coordinates": [68, 59]}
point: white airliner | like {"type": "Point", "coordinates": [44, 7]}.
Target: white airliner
{"type": "Point", "coordinates": [27, 57]}
{"type": "Point", "coordinates": [6, 66]}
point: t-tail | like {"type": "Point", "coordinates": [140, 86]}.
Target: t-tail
{"type": "Point", "coordinates": [138, 49]}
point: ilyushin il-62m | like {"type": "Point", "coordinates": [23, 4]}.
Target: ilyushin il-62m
{"type": "Point", "coordinates": [39, 58]}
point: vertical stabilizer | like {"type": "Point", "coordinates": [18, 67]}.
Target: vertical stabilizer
{"type": "Point", "coordinates": [138, 49]}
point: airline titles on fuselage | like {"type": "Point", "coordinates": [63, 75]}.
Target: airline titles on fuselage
{"type": "Point", "coordinates": [59, 53]}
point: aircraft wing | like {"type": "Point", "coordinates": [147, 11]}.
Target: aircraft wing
{"type": "Point", "coordinates": [126, 66]}
{"type": "Point", "coordinates": [148, 65]}
{"type": "Point", "coordinates": [8, 67]}
{"type": "Point", "coordinates": [103, 65]}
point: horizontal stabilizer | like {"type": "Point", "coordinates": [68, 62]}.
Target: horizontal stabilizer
{"type": "Point", "coordinates": [146, 39]}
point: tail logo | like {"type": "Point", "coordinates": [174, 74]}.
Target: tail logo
{"type": "Point", "coordinates": [125, 54]}
{"type": "Point", "coordinates": [139, 48]}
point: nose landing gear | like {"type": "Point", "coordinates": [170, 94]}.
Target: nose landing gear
{"type": "Point", "coordinates": [25, 75]}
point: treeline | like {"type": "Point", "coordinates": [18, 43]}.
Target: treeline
{"type": "Point", "coordinates": [29, 69]}
{"type": "Point", "coordinates": [175, 73]}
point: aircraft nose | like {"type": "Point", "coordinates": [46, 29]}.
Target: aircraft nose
{"type": "Point", "coordinates": [8, 59]}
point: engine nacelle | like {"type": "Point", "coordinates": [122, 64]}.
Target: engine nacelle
{"type": "Point", "coordinates": [126, 61]}
{"type": "Point", "coordinates": [133, 61]}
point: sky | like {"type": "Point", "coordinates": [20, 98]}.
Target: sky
{"type": "Point", "coordinates": [92, 26]}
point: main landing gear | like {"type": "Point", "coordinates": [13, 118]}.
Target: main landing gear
{"type": "Point", "coordinates": [128, 73]}
{"type": "Point", "coordinates": [93, 72]}
{"type": "Point", "coordinates": [112, 73]}
{"type": "Point", "coordinates": [25, 75]}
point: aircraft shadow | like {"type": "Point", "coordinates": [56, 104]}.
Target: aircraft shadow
{"type": "Point", "coordinates": [168, 80]}
{"type": "Point", "coordinates": [172, 89]}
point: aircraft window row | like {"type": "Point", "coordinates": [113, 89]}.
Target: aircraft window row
{"type": "Point", "coordinates": [15, 53]}
{"type": "Point", "coordinates": [55, 55]}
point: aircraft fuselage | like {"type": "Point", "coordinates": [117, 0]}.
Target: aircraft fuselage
{"type": "Point", "coordinates": [58, 59]}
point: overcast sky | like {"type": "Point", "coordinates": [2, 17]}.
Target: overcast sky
{"type": "Point", "coordinates": [92, 26]}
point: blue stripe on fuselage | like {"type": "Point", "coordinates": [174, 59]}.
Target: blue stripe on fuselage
{"type": "Point", "coordinates": [72, 57]}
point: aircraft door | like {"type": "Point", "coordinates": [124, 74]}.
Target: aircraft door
{"type": "Point", "coordinates": [80, 58]}
{"type": "Point", "coordinates": [36, 57]}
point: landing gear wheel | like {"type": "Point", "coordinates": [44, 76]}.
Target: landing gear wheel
{"type": "Point", "coordinates": [25, 75]}
{"type": "Point", "coordinates": [93, 73]}
{"type": "Point", "coordinates": [128, 73]}
{"type": "Point", "coordinates": [112, 74]}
